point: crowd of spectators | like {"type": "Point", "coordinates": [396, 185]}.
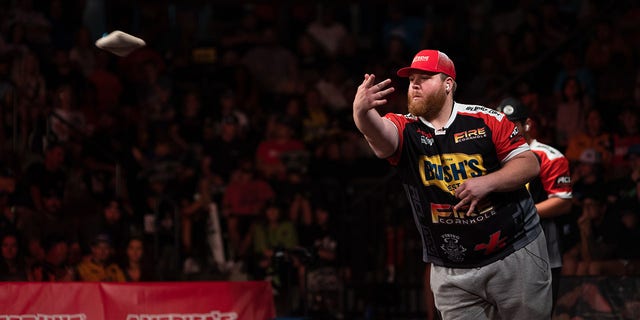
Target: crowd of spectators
{"type": "Point", "coordinates": [116, 168]}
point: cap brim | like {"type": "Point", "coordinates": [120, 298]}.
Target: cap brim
{"type": "Point", "coordinates": [404, 72]}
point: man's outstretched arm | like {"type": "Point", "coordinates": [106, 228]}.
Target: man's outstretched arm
{"type": "Point", "coordinates": [381, 133]}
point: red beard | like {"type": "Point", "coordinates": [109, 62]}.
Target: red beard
{"type": "Point", "coordinates": [428, 106]}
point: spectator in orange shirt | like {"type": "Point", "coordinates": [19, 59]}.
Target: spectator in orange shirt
{"type": "Point", "coordinates": [594, 136]}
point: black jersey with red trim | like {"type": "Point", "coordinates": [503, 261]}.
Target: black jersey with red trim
{"type": "Point", "coordinates": [432, 163]}
{"type": "Point", "coordinates": [554, 181]}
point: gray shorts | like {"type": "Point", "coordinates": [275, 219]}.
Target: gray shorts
{"type": "Point", "coordinates": [516, 287]}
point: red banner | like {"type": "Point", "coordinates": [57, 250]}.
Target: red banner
{"type": "Point", "coordinates": [141, 301]}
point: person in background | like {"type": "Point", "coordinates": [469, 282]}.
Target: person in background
{"type": "Point", "coordinates": [242, 202]}
{"type": "Point", "coordinates": [135, 266]}
{"type": "Point", "coordinates": [12, 265]}
{"type": "Point", "coordinates": [98, 266]}
{"type": "Point", "coordinates": [551, 190]}
{"type": "Point", "coordinates": [594, 136]}
{"type": "Point", "coordinates": [56, 266]}
{"type": "Point", "coordinates": [627, 135]}
{"type": "Point", "coordinates": [587, 174]}
{"type": "Point", "coordinates": [600, 233]}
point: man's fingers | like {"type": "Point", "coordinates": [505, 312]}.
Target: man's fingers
{"type": "Point", "coordinates": [368, 80]}
{"type": "Point", "coordinates": [460, 204]}
{"type": "Point", "coordinates": [383, 84]}
{"type": "Point", "coordinates": [472, 207]}
{"type": "Point", "coordinates": [379, 102]}
{"type": "Point", "coordinates": [381, 94]}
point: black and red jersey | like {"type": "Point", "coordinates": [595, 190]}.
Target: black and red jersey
{"type": "Point", "coordinates": [554, 181]}
{"type": "Point", "coordinates": [432, 163]}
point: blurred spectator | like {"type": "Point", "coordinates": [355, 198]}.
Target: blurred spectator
{"type": "Point", "coordinates": [30, 84]}
{"type": "Point", "coordinates": [554, 30]}
{"type": "Point", "coordinates": [396, 54]}
{"type": "Point", "coordinates": [317, 117]}
{"type": "Point", "coordinates": [311, 58]}
{"type": "Point", "coordinates": [110, 219]}
{"type": "Point", "coordinates": [41, 192]}
{"type": "Point", "coordinates": [161, 162]}
{"type": "Point", "coordinates": [98, 266]}
{"type": "Point", "coordinates": [13, 42]}
{"type": "Point", "coordinates": [243, 202]}
{"type": "Point", "coordinates": [594, 136]}
{"type": "Point", "coordinates": [587, 174]}
{"type": "Point", "coordinates": [571, 66]}
{"type": "Point", "coordinates": [244, 35]}
{"type": "Point", "coordinates": [9, 220]}
{"type": "Point", "coordinates": [571, 112]}
{"type": "Point", "coordinates": [627, 135]}
{"type": "Point", "coordinates": [186, 130]}
{"type": "Point", "coordinates": [67, 120]}
{"type": "Point", "coordinates": [626, 188]}
{"type": "Point", "coordinates": [107, 83]}
{"type": "Point", "coordinates": [327, 31]}
{"type": "Point", "coordinates": [296, 193]}
{"type": "Point", "coordinates": [156, 99]}
{"type": "Point", "coordinates": [230, 107]}
{"type": "Point", "coordinates": [36, 25]}
{"type": "Point", "coordinates": [626, 260]}
{"type": "Point", "coordinates": [604, 46]}
{"type": "Point", "coordinates": [223, 152]}
{"type": "Point", "coordinates": [277, 142]}
{"type": "Point", "coordinates": [83, 52]}
{"type": "Point", "coordinates": [403, 24]}
{"type": "Point", "coordinates": [600, 231]}
{"type": "Point", "coordinates": [63, 21]}
{"type": "Point", "coordinates": [13, 267]}
{"type": "Point", "coordinates": [244, 86]}
{"type": "Point", "coordinates": [273, 232]}
{"type": "Point", "coordinates": [62, 71]}
{"type": "Point", "coordinates": [321, 273]}
{"type": "Point", "coordinates": [332, 87]}
{"type": "Point", "coordinates": [56, 267]}
{"type": "Point", "coordinates": [526, 52]}
{"type": "Point", "coordinates": [273, 65]}
{"type": "Point", "coordinates": [135, 265]}
{"type": "Point", "coordinates": [7, 92]}
{"type": "Point", "coordinates": [45, 177]}
{"type": "Point", "coordinates": [295, 113]}
{"type": "Point", "coordinates": [194, 212]}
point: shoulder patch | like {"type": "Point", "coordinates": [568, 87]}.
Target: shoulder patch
{"type": "Point", "coordinates": [484, 110]}
{"type": "Point", "coordinates": [410, 116]}
{"type": "Point", "coordinates": [551, 152]}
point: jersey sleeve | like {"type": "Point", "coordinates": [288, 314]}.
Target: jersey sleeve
{"type": "Point", "coordinates": [556, 177]}
{"type": "Point", "coordinates": [507, 138]}
{"type": "Point", "coordinates": [400, 121]}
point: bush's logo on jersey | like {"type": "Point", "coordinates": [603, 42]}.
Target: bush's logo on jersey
{"type": "Point", "coordinates": [449, 170]}
{"type": "Point", "coordinates": [446, 214]}
{"type": "Point", "coordinates": [469, 135]}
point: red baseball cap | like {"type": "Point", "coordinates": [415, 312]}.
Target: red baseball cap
{"type": "Point", "coordinates": [432, 61]}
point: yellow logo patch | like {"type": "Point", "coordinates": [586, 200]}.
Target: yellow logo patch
{"type": "Point", "coordinates": [448, 171]}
